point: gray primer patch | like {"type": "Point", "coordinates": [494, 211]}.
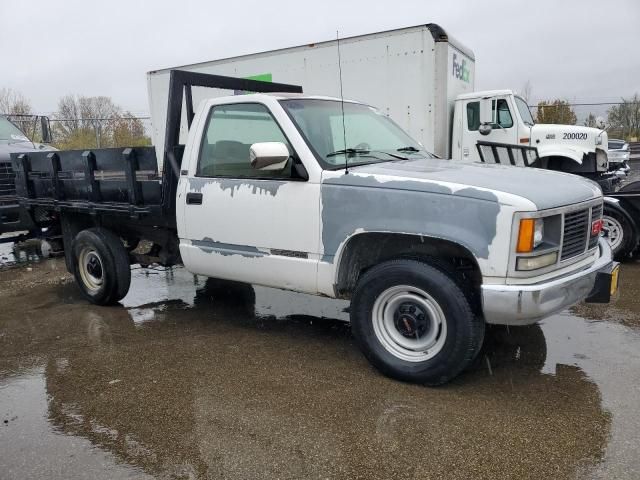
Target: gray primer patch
{"type": "Point", "coordinates": [211, 246]}
{"type": "Point", "coordinates": [271, 187]}
{"type": "Point", "coordinates": [545, 188]}
{"type": "Point", "coordinates": [467, 217]}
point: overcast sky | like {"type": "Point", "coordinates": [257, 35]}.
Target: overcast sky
{"type": "Point", "coordinates": [580, 50]}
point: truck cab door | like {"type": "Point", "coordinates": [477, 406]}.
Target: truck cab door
{"type": "Point", "coordinates": [239, 222]}
{"type": "Point", "coordinates": [504, 130]}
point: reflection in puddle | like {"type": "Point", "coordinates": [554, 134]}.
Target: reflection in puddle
{"type": "Point", "coordinates": [34, 448]}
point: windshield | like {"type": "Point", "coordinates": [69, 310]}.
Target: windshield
{"type": "Point", "coordinates": [10, 133]}
{"type": "Point", "coordinates": [523, 108]}
{"type": "Point", "coordinates": [370, 135]}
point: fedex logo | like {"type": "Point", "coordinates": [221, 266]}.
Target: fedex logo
{"type": "Point", "coordinates": [460, 70]}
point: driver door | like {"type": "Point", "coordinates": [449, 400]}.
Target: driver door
{"type": "Point", "coordinates": [245, 224]}
{"type": "Point", "coordinates": [503, 131]}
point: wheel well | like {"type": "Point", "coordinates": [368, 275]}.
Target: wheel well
{"type": "Point", "coordinates": [562, 163]}
{"type": "Point", "coordinates": [365, 250]}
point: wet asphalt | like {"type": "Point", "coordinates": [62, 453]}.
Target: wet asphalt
{"type": "Point", "coordinates": [202, 379]}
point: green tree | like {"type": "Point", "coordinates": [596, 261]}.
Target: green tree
{"type": "Point", "coordinates": [556, 111]}
{"type": "Point", "coordinates": [624, 119]}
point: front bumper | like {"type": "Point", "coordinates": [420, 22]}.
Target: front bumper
{"type": "Point", "coordinates": [526, 304]}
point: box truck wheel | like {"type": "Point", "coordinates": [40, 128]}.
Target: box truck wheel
{"type": "Point", "coordinates": [414, 323]}
{"type": "Point", "coordinates": [618, 231]}
{"type": "Point", "coordinates": [101, 266]}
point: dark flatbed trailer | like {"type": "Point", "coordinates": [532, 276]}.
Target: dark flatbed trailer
{"type": "Point", "coordinates": [120, 189]}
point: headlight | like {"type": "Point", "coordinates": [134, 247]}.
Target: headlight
{"type": "Point", "coordinates": [530, 234]}
{"type": "Point", "coordinates": [538, 242]}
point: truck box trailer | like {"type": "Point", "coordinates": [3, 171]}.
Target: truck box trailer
{"type": "Point", "coordinates": [411, 74]}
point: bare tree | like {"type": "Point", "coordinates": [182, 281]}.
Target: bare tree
{"type": "Point", "coordinates": [527, 89]}
{"type": "Point", "coordinates": [13, 102]}
{"type": "Point", "coordinates": [591, 121]}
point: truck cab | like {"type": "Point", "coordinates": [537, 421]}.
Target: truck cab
{"type": "Point", "coordinates": [567, 148]}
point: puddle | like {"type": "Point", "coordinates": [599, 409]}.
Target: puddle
{"type": "Point", "coordinates": [195, 378]}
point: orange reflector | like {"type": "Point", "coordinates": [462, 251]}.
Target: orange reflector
{"type": "Point", "coordinates": [525, 235]}
{"type": "Point", "coordinates": [524, 140]}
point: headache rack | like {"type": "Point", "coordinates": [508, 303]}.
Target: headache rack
{"type": "Point", "coordinates": [123, 181]}
{"type": "Point", "coordinates": [507, 154]}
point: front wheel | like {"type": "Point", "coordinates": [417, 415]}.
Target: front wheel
{"type": "Point", "coordinates": [414, 323]}
{"type": "Point", "coordinates": [618, 232]}
{"type": "Point", "coordinates": [101, 266]}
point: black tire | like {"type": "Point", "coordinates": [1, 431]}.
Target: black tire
{"type": "Point", "coordinates": [620, 248]}
{"type": "Point", "coordinates": [440, 362]}
{"type": "Point", "coordinates": [101, 266]}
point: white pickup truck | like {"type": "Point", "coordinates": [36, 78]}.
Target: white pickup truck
{"type": "Point", "coordinates": [267, 191]}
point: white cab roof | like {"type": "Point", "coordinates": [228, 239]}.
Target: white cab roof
{"type": "Point", "coordinates": [485, 93]}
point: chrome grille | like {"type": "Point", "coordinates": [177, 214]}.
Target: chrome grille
{"type": "Point", "coordinates": [576, 230]}
{"type": "Point", "coordinates": [596, 214]}
{"type": "Point", "coordinates": [7, 180]}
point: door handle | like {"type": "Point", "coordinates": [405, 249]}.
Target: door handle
{"type": "Point", "coordinates": [194, 198]}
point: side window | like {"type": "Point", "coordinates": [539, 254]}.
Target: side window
{"type": "Point", "coordinates": [504, 115]}
{"type": "Point", "coordinates": [473, 116]}
{"type": "Point", "coordinates": [229, 134]}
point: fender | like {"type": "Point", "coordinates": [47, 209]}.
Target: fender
{"type": "Point", "coordinates": [575, 153]}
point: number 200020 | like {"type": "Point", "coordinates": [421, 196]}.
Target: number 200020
{"type": "Point", "coordinates": [574, 136]}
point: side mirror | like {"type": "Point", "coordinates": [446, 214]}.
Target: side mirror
{"type": "Point", "coordinates": [487, 111]}
{"type": "Point", "coordinates": [269, 156]}
{"type": "Point", "coordinates": [487, 115]}
{"type": "Point", "coordinates": [485, 128]}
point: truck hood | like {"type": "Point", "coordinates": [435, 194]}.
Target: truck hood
{"type": "Point", "coordinates": [567, 140]}
{"type": "Point", "coordinates": [506, 184]}
{"type": "Point", "coordinates": [19, 147]}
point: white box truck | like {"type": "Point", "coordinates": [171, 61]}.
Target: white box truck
{"type": "Point", "coordinates": [419, 76]}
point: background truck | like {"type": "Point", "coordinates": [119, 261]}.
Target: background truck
{"type": "Point", "coordinates": [331, 198]}
{"type": "Point", "coordinates": [13, 140]}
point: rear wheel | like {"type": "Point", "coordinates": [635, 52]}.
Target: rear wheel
{"type": "Point", "coordinates": [101, 266]}
{"type": "Point", "coordinates": [618, 232]}
{"type": "Point", "coordinates": [414, 323]}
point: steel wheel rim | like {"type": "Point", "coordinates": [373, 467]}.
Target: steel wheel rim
{"type": "Point", "coordinates": [612, 231]}
{"type": "Point", "coordinates": [413, 336]}
{"type": "Point", "coordinates": [91, 269]}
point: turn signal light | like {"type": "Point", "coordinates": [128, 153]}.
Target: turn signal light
{"type": "Point", "coordinates": [525, 235]}
{"type": "Point", "coordinates": [524, 140]}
